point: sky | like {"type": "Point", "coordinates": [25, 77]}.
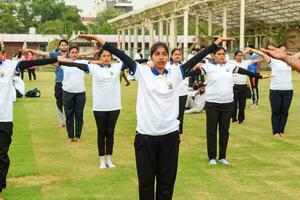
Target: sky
{"type": "Point", "coordinates": [87, 5]}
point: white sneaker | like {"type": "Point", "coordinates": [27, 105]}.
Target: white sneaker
{"type": "Point", "coordinates": [108, 162]}
{"type": "Point", "coordinates": [213, 162]}
{"type": "Point", "coordinates": [102, 162]}
{"type": "Point", "coordinates": [224, 162]}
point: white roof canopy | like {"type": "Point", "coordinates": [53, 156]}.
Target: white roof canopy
{"type": "Point", "coordinates": [258, 13]}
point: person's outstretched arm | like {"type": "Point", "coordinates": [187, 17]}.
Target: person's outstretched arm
{"type": "Point", "coordinates": [242, 71]}
{"type": "Point", "coordinates": [280, 54]}
{"type": "Point", "coordinates": [87, 53]}
{"type": "Point", "coordinates": [38, 52]}
{"type": "Point", "coordinates": [188, 66]}
{"type": "Point", "coordinates": [81, 66]}
{"type": "Point", "coordinates": [24, 64]}
{"type": "Point", "coordinates": [262, 54]}
{"type": "Point", "coordinates": [117, 52]}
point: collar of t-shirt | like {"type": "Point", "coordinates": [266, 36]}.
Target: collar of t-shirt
{"type": "Point", "coordinates": [103, 65]}
{"type": "Point", "coordinates": [156, 73]}
{"type": "Point", "coordinates": [171, 62]}
{"type": "Point", "coordinates": [215, 63]}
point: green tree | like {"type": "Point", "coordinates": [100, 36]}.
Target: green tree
{"type": "Point", "coordinates": [278, 35]}
{"type": "Point", "coordinates": [72, 20]}
{"type": "Point", "coordinates": [52, 27]}
{"type": "Point", "coordinates": [24, 15]}
{"type": "Point", "coordinates": [101, 26]}
{"type": "Point", "coordinates": [49, 16]}
{"type": "Point", "coordinates": [8, 21]}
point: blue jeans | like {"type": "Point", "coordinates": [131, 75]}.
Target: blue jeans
{"type": "Point", "coordinates": [280, 101]}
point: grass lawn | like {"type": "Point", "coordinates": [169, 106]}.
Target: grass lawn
{"type": "Point", "coordinates": [43, 166]}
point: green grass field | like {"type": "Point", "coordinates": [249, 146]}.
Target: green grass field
{"type": "Point", "coordinates": [43, 166]}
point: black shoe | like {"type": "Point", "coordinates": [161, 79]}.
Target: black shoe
{"type": "Point", "coordinates": [234, 120]}
{"type": "Point", "coordinates": [127, 84]}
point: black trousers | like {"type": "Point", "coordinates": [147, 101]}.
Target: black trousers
{"type": "Point", "coordinates": [182, 101]}
{"type": "Point", "coordinates": [254, 88]}
{"type": "Point", "coordinates": [74, 105]}
{"type": "Point", "coordinates": [6, 131]}
{"type": "Point", "coordinates": [156, 158]}
{"type": "Point", "coordinates": [123, 75]}
{"type": "Point", "coordinates": [106, 123]}
{"type": "Point", "coordinates": [217, 114]}
{"type": "Point", "coordinates": [31, 73]}
{"type": "Point", "coordinates": [239, 103]}
{"type": "Point", "coordinates": [192, 80]}
{"type": "Point", "coordinates": [280, 101]}
{"type": "Point", "coordinates": [58, 93]}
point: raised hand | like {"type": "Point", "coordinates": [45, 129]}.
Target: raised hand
{"type": "Point", "coordinates": [222, 39]}
{"type": "Point", "coordinates": [92, 37]}
{"type": "Point", "coordinates": [274, 52]}
{"type": "Point", "coordinates": [267, 75]}
{"type": "Point", "coordinates": [26, 51]}
{"type": "Point", "coordinates": [198, 65]}
{"type": "Point", "coordinates": [63, 59]}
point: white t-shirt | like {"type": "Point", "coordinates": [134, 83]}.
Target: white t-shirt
{"type": "Point", "coordinates": [281, 75]}
{"type": "Point", "coordinates": [19, 84]}
{"type": "Point", "coordinates": [199, 99]}
{"type": "Point", "coordinates": [106, 87]}
{"type": "Point", "coordinates": [73, 80]}
{"type": "Point", "coordinates": [240, 79]}
{"type": "Point", "coordinates": [7, 72]}
{"type": "Point", "coordinates": [137, 56]}
{"type": "Point", "coordinates": [183, 87]}
{"type": "Point", "coordinates": [190, 56]}
{"type": "Point", "coordinates": [157, 100]}
{"type": "Point", "coordinates": [219, 88]}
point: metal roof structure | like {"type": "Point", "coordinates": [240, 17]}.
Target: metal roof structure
{"type": "Point", "coordinates": [257, 12]}
{"type": "Point", "coordinates": [235, 15]}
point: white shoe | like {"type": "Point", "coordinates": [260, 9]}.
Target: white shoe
{"type": "Point", "coordinates": [224, 162]}
{"type": "Point", "coordinates": [102, 162]}
{"type": "Point", "coordinates": [213, 162]}
{"type": "Point", "coordinates": [108, 162]}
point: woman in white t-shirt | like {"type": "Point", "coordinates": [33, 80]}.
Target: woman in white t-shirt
{"type": "Point", "coordinates": [8, 70]}
{"type": "Point", "coordinates": [157, 138]}
{"type": "Point", "coordinates": [74, 97]}
{"type": "Point", "coordinates": [278, 53]}
{"type": "Point", "coordinates": [219, 101]}
{"type": "Point", "coordinates": [176, 62]}
{"type": "Point", "coordinates": [240, 87]}
{"type": "Point", "coordinates": [106, 101]}
{"type": "Point", "coordinates": [281, 91]}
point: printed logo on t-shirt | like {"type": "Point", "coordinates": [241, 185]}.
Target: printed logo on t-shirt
{"type": "Point", "coordinates": [2, 73]}
{"type": "Point", "coordinates": [170, 85]}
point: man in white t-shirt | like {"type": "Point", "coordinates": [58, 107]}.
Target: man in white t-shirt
{"type": "Point", "coordinates": [196, 99]}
